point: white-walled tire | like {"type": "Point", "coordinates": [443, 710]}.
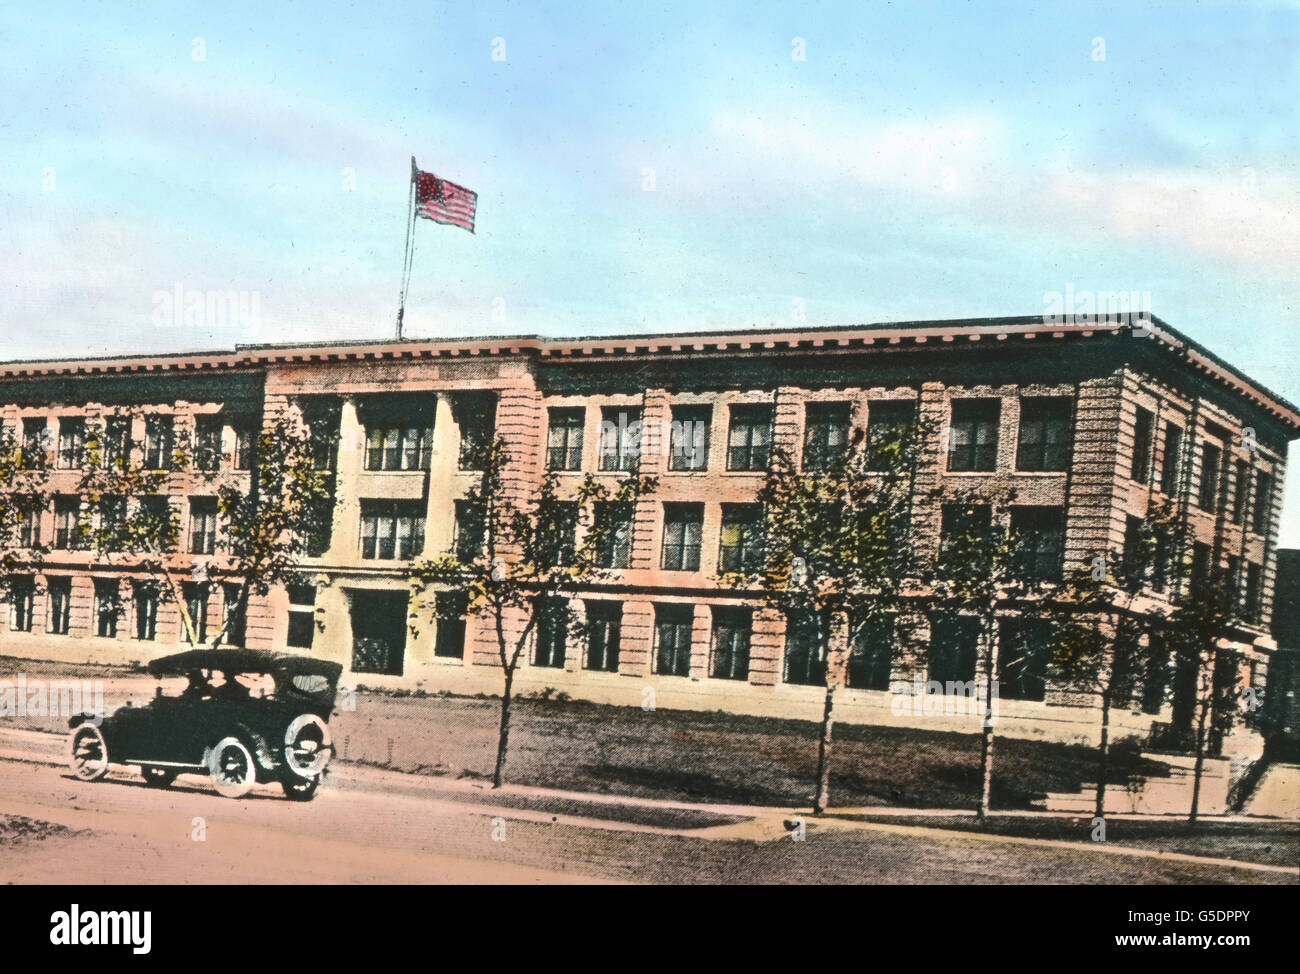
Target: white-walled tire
{"type": "Point", "coordinates": [87, 753]}
{"type": "Point", "coordinates": [232, 769]}
{"type": "Point", "coordinates": [307, 746]}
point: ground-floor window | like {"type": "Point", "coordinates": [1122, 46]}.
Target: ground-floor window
{"type": "Point", "coordinates": [805, 661]}
{"type": "Point", "coordinates": [450, 608]}
{"type": "Point", "coordinates": [552, 635]}
{"type": "Point", "coordinates": [872, 657]}
{"type": "Point", "coordinates": [729, 657]}
{"type": "Point", "coordinates": [196, 603]}
{"type": "Point", "coordinates": [146, 611]}
{"type": "Point", "coordinates": [234, 621]}
{"type": "Point", "coordinates": [673, 625]}
{"type": "Point", "coordinates": [23, 604]}
{"type": "Point", "coordinates": [1155, 674]}
{"type": "Point", "coordinates": [1023, 649]}
{"type": "Point", "coordinates": [604, 632]}
{"type": "Point", "coordinates": [60, 600]}
{"type": "Point", "coordinates": [106, 608]}
{"type": "Point", "coordinates": [302, 616]}
{"type": "Point", "coordinates": [379, 629]}
{"type": "Point", "coordinates": [954, 648]}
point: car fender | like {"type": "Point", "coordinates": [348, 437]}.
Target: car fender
{"type": "Point", "coordinates": [254, 741]}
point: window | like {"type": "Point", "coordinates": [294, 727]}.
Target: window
{"type": "Point", "coordinates": [613, 522]}
{"type": "Point", "coordinates": [683, 529]}
{"type": "Point", "coordinates": [245, 444]}
{"type": "Point", "coordinates": [1172, 468]}
{"type": "Point", "coordinates": [29, 524]}
{"type": "Point", "coordinates": [391, 529]}
{"type": "Point", "coordinates": [962, 523]}
{"type": "Point", "coordinates": [72, 443]}
{"type": "Point", "coordinates": [106, 607]}
{"type": "Point", "coordinates": [690, 438]}
{"type": "Point", "coordinates": [36, 439]}
{"type": "Point", "coordinates": [729, 658]}
{"type": "Point", "coordinates": [973, 444]}
{"type": "Point", "coordinates": [234, 620]}
{"type": "Point", "coordinates": [323, 416]}
{"type": "Point", "coordinates": [825, 435]}
{"type": "Point", "coordinates": [749, 441]}
{"type": "Point", "coordinates": [620, 438]}
{"type": "Point", "coordinates": [1254, 589]}
{"type": "Point", "coordinates": [1155, 671]}
{"type": "Point", "coordinates": [1240, 490]}
{"type": "Point", "coordinates": [604, 630]}
{"type": "Point", "coordinates": [804, 663]}
{"type": "Point", "coordinates": [872, 656]}
{"type": "Point", "coordinates": [552, 635]}
{"type": "Point", "coordinates": [470, 531]}
{"type": "Point", "coordinates": [742, 538]}
{"type": "Point", "coordinates": [1234, 583]}
{"type": "Point", "coordinates": [1207, 498]}
{"type": "Point", "coordinates": [302, 616]}
{"type": "Point", "coordinates": [207, 443]}
{"type": "Point", "coordinates": [1262, 512]}
{"type": "Point", "coordinates": [156, 518]}
{"type": "Point", "coordinates": [1200, 561]}
{"type": "Point", "coordinates": [196, 604]}
{"type": "Point", "coordinates": [398, 447]}
{"type": "Point", "coordinates": [158, 442]}
{"type": "Point", "coordinates": [1163, 562]}
{"type": "Point", "coordinates": [1044, 442]}
{"type": "Point", "coordinates": [560, 534]}
{"type": "Point", "coordinates": [954, 649]}
{"type": "Point", "coordinates": [673, 625]}
{"type": "Point", "coordinates": [60, 600]}
{"type": "Point", "coordinates": [146, 611]}
{"type": "Point", "coordinates": [1134, 553]}
{"type": "Point", "coordinates": [203, 525]}
{"type": "Point", "coordinates": [887, 422]}
{"type": "Point", "coordinates": [117, 442]}
{"type": "Point", "coordinates": [67, 523]}
{"type": "Point", "coordinates": [1142, 429]}
{"type": "Point", "coordinates": [475, 413]}
{"type": "Point", "coordinates": [451, 609]}
{"type": "Point", "coordinates": [564, 439]}
{"type": "Point", "coordinates": [1039, 542]}
{"type": "Point", "coordinates": [1023, 649]}
{"type": "Point", "coordinates": [22, 604]}
{"type": "Point", "coordinates": [112, 517]}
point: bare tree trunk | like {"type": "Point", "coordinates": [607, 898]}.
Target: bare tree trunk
{"type": "Point", "coordinates": [503, 731]}
{"type": "Point", "coordinates": [1199, 768]}
{"type": "Point", "coordinates": [986, 738]}
{"type": "Point", "coordinates": [822, 798]}
{"type": "Point", "coordinates": [1103, 761]}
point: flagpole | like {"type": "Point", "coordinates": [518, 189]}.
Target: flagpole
{"type": "Point", "coordinates": [408, 251]}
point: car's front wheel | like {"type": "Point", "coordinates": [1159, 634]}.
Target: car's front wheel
{"type": "Point", "coordinates": [158, 777]}
{"type": "Point", "coordinates": [88, 753]}
{"type": "Point", "coordinates": [232, 769]}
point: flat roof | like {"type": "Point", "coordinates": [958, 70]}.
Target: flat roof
{"type": "Point", "coordinates": [947, 331]}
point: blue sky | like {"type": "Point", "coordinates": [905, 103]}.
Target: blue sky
{"type": "Point", "coordinates": [922, 161]}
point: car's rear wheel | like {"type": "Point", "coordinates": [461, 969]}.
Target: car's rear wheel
{"type": "Point", "coordinates": [232, 769]}
{"type": "Point", "coordinates": [307, 746]}
{"type": "Point", "coordinates": [88, 755]}
{"type": "Point", "coordinates": [300, 789]}
{"type": "Point", "coordinates": [158, 777]}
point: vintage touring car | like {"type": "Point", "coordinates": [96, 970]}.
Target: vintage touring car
{"type": "Point", "coordinates": [222, 724]}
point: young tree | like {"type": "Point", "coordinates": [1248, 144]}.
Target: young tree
{"type": "Point", "coordinates": [836, 557]}
{"type": "Point", "coordinates": [1098, 636]}
{"type": "Point", "coordinates": [525, 563]}
{"type": "Point", "coordinates": [1197, 627]}
{"type": "Point", "coordinates": [977, 566]}
{"type": "Point", "coordinates": [266, 527]}
{"type": "Point", "coordinates": [24, 495]}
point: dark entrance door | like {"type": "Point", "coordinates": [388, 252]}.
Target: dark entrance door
{"type": "Point", "coordinates": [378, 631]}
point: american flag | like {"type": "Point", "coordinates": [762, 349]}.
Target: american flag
{"type": "Point", "coordinates": [442, 201]}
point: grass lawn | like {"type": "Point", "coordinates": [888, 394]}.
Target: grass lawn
{"type": "Point", "coordinates": [704, 756]}
{"type": "Point", "coordinates": [1270, 843]}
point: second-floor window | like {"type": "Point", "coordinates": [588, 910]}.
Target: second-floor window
{"type": "Point", "coordinates": [1171, 468]}
{"type": "Point", "coordinates": [742, 538]}
{"type": "Point", "coordinates": [826, 434]}
{"type": "Point", "coordinates": [620, 438]}
{"type": "Point", "coordinates": [1207, 497]}
{"type": "Point", "coordinates": [1044, 434]}
{"type": "Point", "coordinates": [72, 443]}
{"type": "Point", "coordinates": [973, 440]}
{"type": "Point", "coordinates": [398, 447]}
{"type": "Point", "coordinates": [245, 438]}
{"type": "Point", "coordinates": [29, 526]}
{"type": "Point", "coordinates": [887, 423]}
{"type": "Point", "coordinates": [67, 523]}
{"type": "Point", "coordinates": [158, 442]}
{"type": "Point", "coordinates": [391, 530]}
{"type": "Point", "coordinates": [683, 532]}
{"type": "Point", "coordinates": [36, 441]}
{"type": "Point", "coordinates": [1254, 590]}
{"type": "Point", "coordinates": [613, 521]}
{"type": "Point", "coordinates": [476, 415]}
{"type": "Point", "coordinates": [1039, 541]}
{"type": "Point", "coordinates": [1142, 430]}
{"type": "Point", "coordinates": [690, 438]}
{"type": "Point", "coordinates": [117, 441]}
{"type": "Point", "coordinates": [749, 441]}
{"type": "Point", "coordinates": [1262, 512]}
{"type": "Point", "coordinates": [207, 443]}
{"type": "Point", "coordinates": [203, 525]}
{"type": "Point", "coordinates": [468, 541]}
{"type": "Point", "coordinates": [564, 438]}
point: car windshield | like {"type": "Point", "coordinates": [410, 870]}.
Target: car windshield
{"type": "Point", "coordinates": [215, 684]}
